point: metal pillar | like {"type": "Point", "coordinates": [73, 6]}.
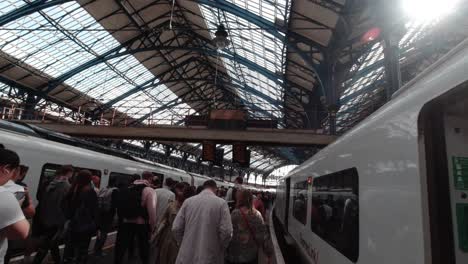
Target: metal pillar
{"type": "Point", "coordinates": [392, 63]}
{"type": "Point", "coordinates": [29, 107]}
{"type": "Point", "coordinates": [147, 147]}
{"type": "Point", "coordinates": [388, 16]}
{"type": "Point", "coordinates": [331, 85]}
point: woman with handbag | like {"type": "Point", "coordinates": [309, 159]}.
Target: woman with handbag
{"type": "Point", "coordinates": [80, 207]}
{"type": "Point", "coordinates": [249, 231]}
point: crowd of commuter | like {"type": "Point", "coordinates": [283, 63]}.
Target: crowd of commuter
{"type": "Point", "coordinates": [157, 221]}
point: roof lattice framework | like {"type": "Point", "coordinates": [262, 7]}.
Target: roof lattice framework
{"type": "Point", "coordinates": [153, 62]}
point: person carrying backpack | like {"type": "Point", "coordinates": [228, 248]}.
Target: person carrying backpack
{"type": "Point", "coordinates": [136, 206]}
{"type": "Point", "coordinates": [50, 219]}
{"type": "Point", "coordinates": [80, 208]}
{"type": "Point", "coordinates": [106, 213]}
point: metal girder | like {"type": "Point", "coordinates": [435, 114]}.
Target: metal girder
{"type": "Point", "coordinates": [13, 83]}
{"type": "Point", "coordinates": [123, 52]}
{"type": "Point", "coordinates": [271, 28]}
{"type": "Point", "coordinates": [27, 9]}
{"type": "Point", "coordinates": [160, 80]}
{"type": "Point", "coordinates": [259, 21]}
{"type": "Point", "coordinates": [280, 137]}
{"type": "Point", "coordinates": [361, 91]}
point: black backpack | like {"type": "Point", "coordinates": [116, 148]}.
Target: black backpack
{"type": "Point", "coordinates": [129, 202]}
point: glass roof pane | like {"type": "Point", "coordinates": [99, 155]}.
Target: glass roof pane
{"type": "Point", "coordinates": [359, 89]}
{"type": "Point", "coordinates": [254, 44]}
{"type": "Point", "coordinates": [58, 39]}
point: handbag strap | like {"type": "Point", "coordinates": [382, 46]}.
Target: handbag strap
{"type": "Point", "coordinates": [249, 227]}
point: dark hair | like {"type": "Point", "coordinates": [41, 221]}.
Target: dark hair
{"type": "Point", "coordinates": [245, 199]}
{"type": "Point", "coordinates": [81, 181]}
{"type": "Point", "coordinates": [156, 181]}
{"type": "Point", "coordinates": [64, 170]}
{"type": "Point", "coordinates": [146, 175]}
{"type": "Point", "coordinates": [2, 146]}
{"type": "Point", "coordinates": [199, 189]}
{"type": "Point", "coordinates": [209, 184]}
{"type": "Point", "coordinates": [9, 158]}
{"type": "Point", "coordinates": [188, 192]}
{"type": "Point", "coordinates": [239, 180]}
{"type": "Point", "coordinates": [169, 182]}
{"type": "Point", "coordinates": [180, 186]}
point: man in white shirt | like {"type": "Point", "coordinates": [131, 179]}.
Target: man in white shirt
{"type": "Point", "coordinates": [164, 196]}
{"type": "Point", "coordinates": [13, 224]}
{"type": "Point", "coordinates": [203, 228]}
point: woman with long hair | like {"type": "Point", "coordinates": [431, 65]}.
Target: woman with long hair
{"type": "Point", "coordinates": [249, 231]}
{"type": "Point", "coordinates": [80, 207]}
{"type": "Point", "coordinates": [164, 240]}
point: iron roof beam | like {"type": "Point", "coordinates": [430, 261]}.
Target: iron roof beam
{"type": "Point", "coordinates": [269, 26]}
{"type": "Point", "coordinates": [28, 9]}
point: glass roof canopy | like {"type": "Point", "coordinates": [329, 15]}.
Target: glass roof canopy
{"type": "Point", "coordinates": [256, 45]}
{"type": "Point", "coordinates": [362, 86]}
{"type": "Point", "coordinates": [64, 36]}
{"type": "Point", "coordinates": [60, 38]}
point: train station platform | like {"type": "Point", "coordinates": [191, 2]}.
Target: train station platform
{"type": "Point", "coordinates": [108, 251]}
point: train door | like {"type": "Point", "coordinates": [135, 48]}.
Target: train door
{"type": "Point", "coordinates": [444, 124]}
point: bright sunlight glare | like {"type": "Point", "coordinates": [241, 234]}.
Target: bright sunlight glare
{"type": "Point", "coordinates": [427, 10]}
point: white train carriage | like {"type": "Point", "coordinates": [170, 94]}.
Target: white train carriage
{"type": "Point", "coordinates": [43, 157]}
{"type": "Point", "coordinates": [393, 189]}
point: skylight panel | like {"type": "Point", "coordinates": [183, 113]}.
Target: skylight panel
{"type": "Point", "coordinates": [7, 6]}
{"type": "Point", "coordinates": [254, 44]}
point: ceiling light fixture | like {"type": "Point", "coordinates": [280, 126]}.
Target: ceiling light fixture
{"type": "Point", "coordinates": [221, 40]}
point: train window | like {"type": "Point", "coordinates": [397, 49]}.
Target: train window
{"type": "Point", "coordinates": [335, 211]}
{"type": "Point", "coordinates": [120, 180]}
{"type": "Point", "coordinates": [93, 172]}
{"type": "Point", "coordinates": [300, 201]}
{"type": "Point", "coordinates": [49, 171]}
{"type": "Point", "coordinates": [47, 175]}
{"type": "Point", "coordinates": [159, 177]}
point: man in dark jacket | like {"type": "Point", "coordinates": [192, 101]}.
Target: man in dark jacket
{"type": "Point", "coordinates": [50, 214]}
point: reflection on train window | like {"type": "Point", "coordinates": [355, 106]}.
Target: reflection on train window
{"type": "Point", "coordinates": [47, 175]}
{"type": "Point", "coordinates": [335, 211]}
{"type": "Point", "coordinates": [159, 175]}
{"type": "Point", "coordinates": [121, 180]}
{"type": "Point", "coordinates": [93, 172]}
{"type": "Point", "coordinates": [49, 171]}
{"type": "Point", "coordinates": [300, 201]}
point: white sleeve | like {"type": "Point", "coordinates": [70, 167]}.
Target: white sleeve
{"type": "Point", "coordinates": [10, 210]}
{"type": "Point", "coordinates": [225, 227]}
{"type": "Point", "coordinates": [178, 227]}
{"type": "Point", "coordinates": [228, 195]}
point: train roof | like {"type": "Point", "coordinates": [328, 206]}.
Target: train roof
{"type": "Point", "coordinates": [36, 131]}
{"type": "Point", "coordinates": [17, 128]}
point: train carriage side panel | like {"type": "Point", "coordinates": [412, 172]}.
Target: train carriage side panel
{"type": "Point", "coordinates": [384, 150]}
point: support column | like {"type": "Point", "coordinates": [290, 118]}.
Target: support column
{"type": "Point", "coordinates": [392, 63]}
{"type": "Point", "coordinates": [29, 107]}
{"type": "Point", "coordinates": [147, 147]}
{"type": "Point", "coordinates": [386, 15]}
{"type": "Point", "coordinates": [331, 84]}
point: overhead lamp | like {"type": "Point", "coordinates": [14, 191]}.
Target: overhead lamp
{"type": "Point", "coordinates": [221, 41]}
